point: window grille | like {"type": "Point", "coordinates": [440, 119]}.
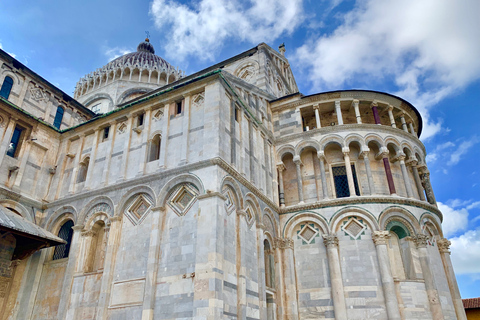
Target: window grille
{"type": "Point", "coordinates": [6, 87]}
{"type": "Point", "coordinates": [341, 181]}
{"type": "Point", "coordinates": [66, 233]}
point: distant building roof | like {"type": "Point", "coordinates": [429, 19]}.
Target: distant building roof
{"type": "Point", "coordinates": [472, 303]}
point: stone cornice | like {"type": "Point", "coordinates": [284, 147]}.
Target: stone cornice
{"type": "Point", "coordinates": [354, 127]}
{"type": "Point", "coordinates": [362, 200]}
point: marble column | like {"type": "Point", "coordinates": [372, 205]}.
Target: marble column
{"type": "Point", "coordinates": [69, 271]}
{"type": "Point", "coordinates": [113, 242]}
{"type": "Point", "coordinates": [158, 217]}
{"type": "Point", "coordinates": [376, 116]}
{"type": "Point", "coordinates": [368, 170]}
{"type": "Point", "coordinates": [144, 142]}
{"type": "Point", "coordinates": [412, 130]}
{"type": "Point", "coordinates": [321, 158]}
{"type": "Point", "coordinates": [412, 162]}
{"type": "Point", "coordinates": [7, 137]}
{"type": "Point", "coordinates": [78, 157]}
{"type": "Point", "coordinates": [316, 108]}
{"type": "Point", "coordinates": [427, 186]}
{"type": "Point", "coordinates": [298, 164]}
{"type": "Point", "coordinates": [404, 123]}
{"type": "Point", "coordinates": [432, 293]}
{"type": "Point", "coordinates": [289, 276]}
{"type": "Point", "coordinates": [348, 168]}
{"type": "Point", "coordinates": [443, 247]}
{"type": "Point", "coordinates": [281, 168]}
{"type": "Point", "coordinates": [93, 157]}
{"type": "Point", "coordinates": [126, 148]}
{"type": "Point", "coordinates": [338, 295]}
{"type": "Point", "coordinates": [380, 239]}
{"type": "Point", "coordinates": [390, 115]}
{"type": "Point", "coordinates": [109, 151]}
{"type": "Point", "coordinates": [262, 293]}
{"type": "Point", "coordinates": [338, 110]}
{"type": "Point", "coordinates": [388, 171]}
{"type": "Point", "coordinates": [355, 104]}
{"type": "Point", "coordinates": [406, 178]}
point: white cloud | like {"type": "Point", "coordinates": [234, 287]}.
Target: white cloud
{"type": "Point", "coordinates": [454, 220]}
{"type": "Point", "coordinates": [462, 149]}
{"type": "Point", "coordinates": [429, 48]}
{"type": "Point", "coordinates": [466, 252]}
{"type": "Point", "coordinates": [202, 27]}
{"type": "Point", "coordinates": [113, 53]}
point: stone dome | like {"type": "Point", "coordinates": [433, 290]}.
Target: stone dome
{"type": "Point", "coordinates": [145, 55]}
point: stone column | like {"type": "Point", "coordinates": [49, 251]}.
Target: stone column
{"type": "Point", "coordinates": [298, 163]}
{"type": "Point", "coordinates": [432, 293]}
{"type": "Point", "coordinates": [418, 183]}
{"type": "Point", "coordinates": [93, 157]}
{"type": "Point", "coordinates": [388, 172]}
{"type": "Point", "coordinates": [109, 266]}
{"type": "Point", "coordinates": [126, 148]}
{"type": "Point", "coordinates": [376, 116]}
{"type": "Point", "coordinates": [142, 159]}
{"type": "Point", "coordinates": [321, 157]}
{"type": "Point", "coordinates": [23, 158]}
{"type": "Point", "coordinates": [262, 293]}
{"type": "Point", "coordinates": [404, 124]}
{"type": "Point", "coordinates": [289, 277]}
{"type": "Point", "coordinates": [366, 160]}
{"type": "Point", "coordinates": [428, 187]}
{"type": "Point", "coordinates": [348, 168]}
{"type": "Point", "coordinates": [69, 271]}
{"type": "Point", "coordinates": [410, 125]}
{"type": "Point", "coordinates": [7, 137]}
{"type": "Point", "coordinates": [406, 178]}
{"type": "Point", "coordinates": [280, 168]}
{"type": "Point", "coordinates": [73, 179]}
{"type": "Point", "coordinates": [390, 115]}
{"type": "Point", "coordinates": [158, 216]}
{"type": "Point", "coordinates": [380, 239]}
{"type": "Point", "coordinates": [316, 108]}
{"type": "Point", "coordinates": [355, 104]}
{"type": "Point", "coordinates": [338, 295]}
{"type": "Point", "coordinates": [443, 246]}
{"type": "Point", "coordinates": [339, 112]}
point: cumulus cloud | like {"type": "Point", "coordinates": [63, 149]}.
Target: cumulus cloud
{"type": "Point", "coordinates": [429, 49]}
{"type": "Point", "coordinates": [466, 252]}
{"type": "Point", "coordinates": [113, 53]}
{"type": "Point", "coordinates": [462, 149]}
{"type": "Point", "coordinates": [454, 219]}
{"type": "Point", "coordinates": [202, 27]}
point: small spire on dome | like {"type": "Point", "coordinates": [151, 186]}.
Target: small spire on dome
{"type": "Point", "coordinates": [146, 46]}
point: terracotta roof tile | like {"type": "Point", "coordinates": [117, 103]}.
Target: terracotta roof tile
{"type": "Point", "coordinates": [471, 303]}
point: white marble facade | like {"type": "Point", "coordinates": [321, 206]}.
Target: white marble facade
{"type": "Point", "coordinates": [225, 194]}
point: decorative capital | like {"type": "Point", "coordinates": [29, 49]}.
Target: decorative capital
{"type": "Point", "coordinates": [261, 226]}
{"type": "Point", "coordinates": [241, 213]}
{"type": "Point", "coordinates": [380, 237]}
{"type": "Point", "coordinates": [297, 160]}
{"type": "Point", "coordinates": [78, 228]}
{"type": "Point", "coordinates": [88, 233]}
{"type": "Point", "coordinates": [444, 245]}
{"type": "Point", "coordinates": [280, 166]}
{"type": "Point", "coordinates": [283, 243]}
{"type": "Point", "coordinates": [115, 218]}
{"type": "Point", "coordinates": [374, 104]}
{"type": "Point", "coordinates": [420, 240]}
{"type": "Point", "coordinates": [390, 108]}
{"type": "Point", "coordinates": [316, 106]}
{"type": "Point", "coordinates": [355, 102]}
{"type": "Point", "coordinates": [321, 155]}
{"type": "Point", "coordinates": [411, 162]}
{"type": "Point", "coordinates": [346, 150]}
{"type": "Point", "coordinates": [337, 104]}
{"type": "Point", "coordinates": [330, 240]}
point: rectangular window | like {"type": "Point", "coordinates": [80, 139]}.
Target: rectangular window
{"type": "Point", "coordinates": [178, 107]}
{"type": "Point", "coordinates": [106, 131]}
{"type": "Point", "coordinates": [14, 145]}
{"type": "Point", "coordinates": [341, 181]}
{"type": "Point", "coordinates": [237, 114]}
{"type": "Point", "coordinates": [140, 120]}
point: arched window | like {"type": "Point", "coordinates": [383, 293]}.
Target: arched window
{"type": "Point", "coordinates": [65, 233]}
{"type": "Point", "coordinates": [58, 118]}
{"type": "Point", "coordinates": [98, 244]}
{"type": "Point", "coordinates": [6, 87]}
{"type": "Point", "coordinates": [399, 251]}
{"type": "Point", "coordinates": [82, 172]}
{"type": "Point", "coordinates": [269, 265]}
{"type": "Point", "coordinates": [154, 150]}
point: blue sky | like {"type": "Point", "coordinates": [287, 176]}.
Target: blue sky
{"type": "Point", "coordinates": [427, 52]}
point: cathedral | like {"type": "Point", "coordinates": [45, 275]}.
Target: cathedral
{"type": "Point", "coordinates": [223, 194]}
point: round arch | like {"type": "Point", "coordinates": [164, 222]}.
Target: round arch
{"type": "Point", "coordinates": [353, 211]}
{"type": "Point", "coordinates": [17, 207]}
{"type": "Point", "coordinates": [97, 204]}
{"type": "Point", "coordinates": [304, 217]}
{"type": "Point", "coordinates": [182, 178]}
{"type": "Point", "coordinates": [284, 150]}
{"type": "Point", "coordinates": [306, 144]}
{"type": "Point", "coordinates": [59, 217]}
{"type": "Point", "coordinates": [230, 182]}
{"type": "Point", "coordinates": [121, 206]}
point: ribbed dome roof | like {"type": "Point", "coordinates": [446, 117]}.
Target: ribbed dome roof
{"type": "Point", "coordinates": [145, 55]}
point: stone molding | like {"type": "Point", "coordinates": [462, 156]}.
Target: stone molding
{"type": "Point", "coordinates": [380, 237]}
{"type": "Point", "coordinates": [420, 240]}
{"type": "Point", "coordinates": [282, 243]}
{"type": "Point", "coordinates": [330, 240]}
{"type": "Point", "coordinates": [444, 245]}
